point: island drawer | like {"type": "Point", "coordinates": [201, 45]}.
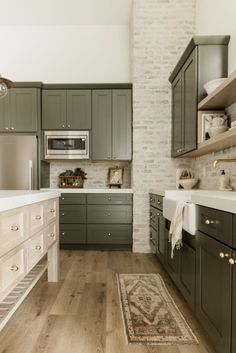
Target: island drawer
{"type": "Point", "coordinates": [72, 214]}
{"type": "Point", "coordinates": [218, 224]}
{"type": "Point", "coordinates": [109, 234]}
{"type": "Point", "coordinates": [50, 234]}
{"type": "Point", "coordinates": [36, 217]}
{"type": "Point", "coordinates": [109, 199]}
{"type": "Point", "coordinates": [50, 211]}
{"type": "Point", "coordinates": [13, 228]}
{"type": "Point", "coordinates": [72, 199]}
{"type": "Point", "coordinates": [156, 201]}
{"type": "Point", "coordinates": [35, 249]}
{"type": "Point", "coordinates": [73, 234]}
{"type": "Point", "coordinates": [109, 214]}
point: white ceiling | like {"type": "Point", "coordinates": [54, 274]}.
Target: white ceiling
{"type": "Point", "coordinates": [65, 12]}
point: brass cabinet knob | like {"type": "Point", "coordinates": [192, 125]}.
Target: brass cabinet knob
{"type": "Point", "coordinates": [63, 214]}
{"type": "Point", "coordinates": [109, 198]}
{"type": "Point", "coordinates": [232, 261]}
{"type": "Point", "coordinates": [63, 233]}
{"type": "Point", "coordinates": [12, 128]}
{"type": "Point", "coordinates": [6, 128]}
{"type": "Point", "coordinates": [38, 217]}
{"type": "Point", "coordinates": [14, 268]}
{"type": "Point", "coordinates": [38, 247]}
{"type": "Point", "coordinates": [14, 228]}
{"type": "Point", "coordinates": [52, 210]}
{"type": "Point", "coordinates": [63, 198]}
{"type": "Point", "coordinates": [209, 221]}
{"type": "Point", "coordinates": [223, 255]}
{"type": "Point", "coordinates": [151, 237]}
{"type": "Point", "coordinates": [109, 214]}
{"type": "Point", "coordinates": [158, 214]}
{"type": "Point", "coordinates": [151, 199]}
{"type": "Point", "coordinates": [52, 235]}
{"type": "Point", "coordinates": [109, 234]}
{"type": "Point", "coordinates": [68, 125]}
{"type": "Point", "coordinates": [158, 202]}
{"type": "Point", "coordinates": [63, 126]}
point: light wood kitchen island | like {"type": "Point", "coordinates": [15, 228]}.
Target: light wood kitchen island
{"type": "Point", "coordinates": [29, 245]}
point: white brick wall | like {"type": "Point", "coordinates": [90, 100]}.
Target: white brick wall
{"type": "Point", "coordinates": [161, 31]}
{"type": "Point", "coordinates": [97, 172]}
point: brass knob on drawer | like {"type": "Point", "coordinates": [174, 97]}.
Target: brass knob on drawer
{"type": "Point", "coordinates": [38, 247]}
{"type": "Point", "coordinates": [109, 234]}
{"type": "Point", "coordinates": [151, 237]}
{"type": "Point", "coordinates": [63, 214]}
{"type": "Point", "coordinates": [109, 198]}
{"type": "Point", "coordinates": [158, 202]}
{"type": "Point", "coordinates": [63, 233]}
{"type": "Point", "coordinates": [109, 214]}
{"type": "Point", "coordinates": [63, 198]}
{"type": "Point", "coordinates": [223, 255]}
{"type": "Point", "coordinates": [151, 199]}
{"type": "Point", "coordinates": [158, 214]}
{"type": "Point", "coordinates": [15, 228]}
{"type": "Point", "coordinates": [52, 235]}
{"type": "Point", "coordinates": [38, 217]}
{"type": "Point", "coordinates": [232, 261]}
{"type": "Point", "coordinates": [52, 210]}
{"type": "Point", "coordinates": [209, 221]}
{"type": "Point", "coordinates": [14, 268]}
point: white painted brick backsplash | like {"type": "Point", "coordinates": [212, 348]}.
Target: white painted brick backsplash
{"type": "Point", "coordinates": [97, 172]}
{"type": "Point", "coordinates": [160, 32]}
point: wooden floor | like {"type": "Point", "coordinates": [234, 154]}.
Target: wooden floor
{"type": "Point", "coordinates": [81, 313]}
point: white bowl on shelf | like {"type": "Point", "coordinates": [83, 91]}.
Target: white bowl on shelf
{"type": "Point", "coordinates": [213, 84]}
{"type": "Point", "coordinates": [216, 130]}
{"type": "Point", "coordinates": [188, 183]}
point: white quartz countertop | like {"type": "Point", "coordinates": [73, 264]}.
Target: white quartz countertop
{"type": "Point", "coordinates": [93, 191]}
{"type": "Point", "coordinates": [10, 199]}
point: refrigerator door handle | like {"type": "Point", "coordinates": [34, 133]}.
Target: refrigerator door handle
{"type": "Point", "coordinates": [30, 174]}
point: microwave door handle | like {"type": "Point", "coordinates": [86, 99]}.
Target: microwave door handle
{"type": "Point", "coordinates": [30, 171]}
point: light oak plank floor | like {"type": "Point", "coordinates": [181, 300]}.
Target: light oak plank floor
{"type": "Point", "coordinates": [81, 313]}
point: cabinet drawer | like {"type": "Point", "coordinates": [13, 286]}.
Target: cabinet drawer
{"type": "Point", "coordinates": [50, 211]}
{"type": "Point", "coordinates": [109, 214]}
{"type": "Point", "coordinates": [153, 217]}
{"type": "Point", "coordinates": [218, 224]}
{"type": "Point", "coordinates": [73, 234]}
{"type": "Point", "coordinates": [13, 229]}
{"type": "Point", "coordinates": [36, 217]}
{"type": "Point", "coordinates": [109, 199]}
{"type": "Point", "coordinates": [109, 234]}
{"type": "Point", "coordinates": [35, 249]}
{"type": "Point", "coordinates": [12, 270]}
{"type": "Point", "coordinates": [50, 234]}
{"type": "Point", "coordinates": [73, 214]}
{"type": "Point", "coordinates": [156, 201]}
{"type": "Point", "coordinates": [153, 238]}
{"type": "Point", "coordinates": [72, 199]}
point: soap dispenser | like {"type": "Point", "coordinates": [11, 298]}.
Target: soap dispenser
{"type": "Point", "coordinates": [223, 181]}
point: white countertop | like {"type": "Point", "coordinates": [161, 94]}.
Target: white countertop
{"type": "Point", "coordinates": [220, 200]}
{"type": "Point", "coordinates": [92, 191]}
{"type": "Point", "coordinates": [10, 199]}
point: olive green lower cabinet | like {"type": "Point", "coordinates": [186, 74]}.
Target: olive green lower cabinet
{"type": "Point", "coordinates": [96, 221]}
{"type": "Point", "coordinates": [234, 306]}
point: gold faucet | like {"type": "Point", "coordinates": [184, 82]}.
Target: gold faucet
{"type": "Point", "coordinates": [223, 161]}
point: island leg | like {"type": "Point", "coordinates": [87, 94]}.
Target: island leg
{"type": "Point", "coordinates": [53, 263]}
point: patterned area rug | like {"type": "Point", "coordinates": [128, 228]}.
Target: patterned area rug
{"type": "Point", "coordinates": [149, 312]}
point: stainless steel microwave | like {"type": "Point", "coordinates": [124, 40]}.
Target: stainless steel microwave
{"type": "Point", "coordinates": [66, 144]}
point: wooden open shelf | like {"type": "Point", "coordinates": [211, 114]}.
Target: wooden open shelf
{"type": "Point", "coordinates": [225, 140]}
{"type": "Point", "coordinates": [222, 97]}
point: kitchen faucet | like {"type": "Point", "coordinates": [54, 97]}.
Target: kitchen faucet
{"type": "Point", "coordinates": [217, 161]}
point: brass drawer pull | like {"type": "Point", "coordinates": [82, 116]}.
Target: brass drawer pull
{"type": "Point", "coordinates": [63, 198]}
{"type": "Point", "coordinates": [223, 255]}
{"type": "Point", "coordinates": [63, 214]}
{"type": "Point", "coordinates": [109, 198]}
{"type": "Point", "coordinates": [232, 261]}
{"type": "Point", "coordinates": [63, 233]}
{"type": "Point", "coordinates": [15, 228]}
{"type": "Point", "coordinates": [52, 210]}
{"type": "Point", "coordinates": [52, 235]}
{"type": "Point", "coordinates": [38, 247]}
{"type": "Point", "coordinates": [109, 234]}
{"type": "Point", "coordinates": [14, 268]}
{"type": "Point", "coordinates": [151, 237]}
{"type": "Point", "coordinates": [151, 199]}
{"type": "Point", "coordinates": [158, 214]}
{"type": "Point", "coordinates": [109, 214]}
{"type": "Point", "coordinates": [38, 218]}
{"type": "Point", "coordinates": [158, 202]}
{"type": "Point", "coordinates": [209, 221]}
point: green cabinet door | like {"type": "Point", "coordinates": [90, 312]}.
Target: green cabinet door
{"type": "Point", "coordinates": [101, 122]}
{"type": "Point", "coordinates": [5, 113]}
{"type": "Point", "coordinates": [187, 273]}
{"type": "Point", "coordinates": [79, 109]}
{"type": "Point", "coordinates": [121, 124]}
{"type": "Point", "coordinates": [161, 238]}
{"type": "Point", "coordinates": [234, 307]}
{"type": "Point", "coordinates": [177, 130]}
{"type": "Point", "coordinates": [213, 296]}
{"type": "Point", "coordinates": [189, 100]}
{"type": "Point", "coordinates": [54, 110]}
{"type": "Point", "coordinates": [24, 109]}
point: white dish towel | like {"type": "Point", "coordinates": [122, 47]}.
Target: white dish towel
{"type": "Point", "coordinates": [176, 227]}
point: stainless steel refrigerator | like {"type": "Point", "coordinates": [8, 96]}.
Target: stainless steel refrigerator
{"type": "Point", "coordinates": [18, 162]}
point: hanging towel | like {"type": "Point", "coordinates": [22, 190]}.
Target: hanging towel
{"type": "Point", "coordinates": [176, 227]}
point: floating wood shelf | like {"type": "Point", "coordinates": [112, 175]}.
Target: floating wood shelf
{"type": "Point", "coordinates": [222, 97]}
{"type": "Point", "coordinates": [224, 140]}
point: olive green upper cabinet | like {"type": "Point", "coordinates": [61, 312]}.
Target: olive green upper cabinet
{"type": "Point", "coordinates": [204, 59]}
{"type": "Point", "coordinates": [121, 124]}
{"type": "Point", "coordinates": [111, 121]}
{"type": "Point", "coordinates": [66, 109]}
{"type": "Point", "coordinates": [19, 110]}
